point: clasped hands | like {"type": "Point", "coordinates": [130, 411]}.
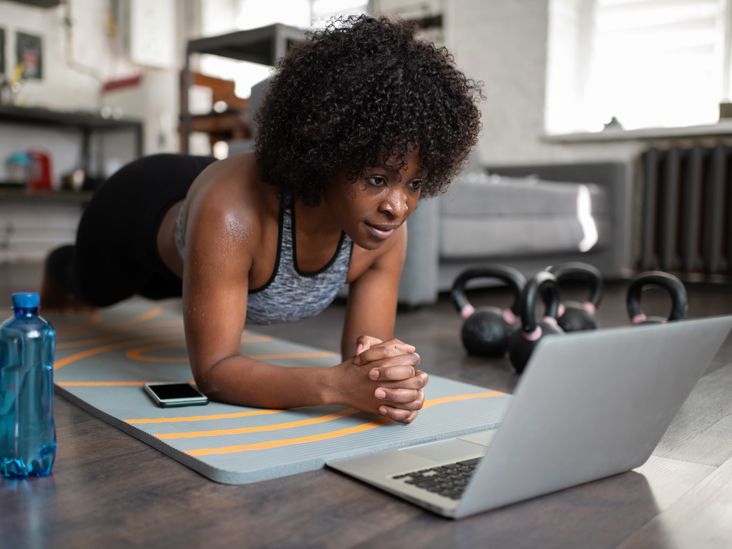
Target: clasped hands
{"type": "Point", "coordinates": [387, 381]}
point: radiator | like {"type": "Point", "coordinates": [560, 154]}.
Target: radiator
{"type": "Point", "coordinates": [686, 206]}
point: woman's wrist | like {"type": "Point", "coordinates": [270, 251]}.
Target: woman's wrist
{"type": "Point", "coordinates": [328, 386]}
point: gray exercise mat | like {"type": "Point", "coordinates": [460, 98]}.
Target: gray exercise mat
{"type": "Point", "coordinates": [104, 358]}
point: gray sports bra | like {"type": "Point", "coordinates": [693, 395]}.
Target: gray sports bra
{"type": "Point", "coordinates": [290, 294]}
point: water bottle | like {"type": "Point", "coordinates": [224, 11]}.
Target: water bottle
{"type": "Point", "coordinates": [27, 429]}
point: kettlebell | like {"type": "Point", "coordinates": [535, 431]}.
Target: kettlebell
{"type": "Point", "coordinates": [524, 340]}
{"type": "Point", "coordinates": [486, 330]}
{"type": "Point", "coordinates": [575, 316]}
{"type": "Point", "coordinates": [660, 279]}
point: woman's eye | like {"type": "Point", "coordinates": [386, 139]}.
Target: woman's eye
{"type": "Point", "coordinates": [376, 181]}
{"type": "Point", "coordinates": [415, 185]}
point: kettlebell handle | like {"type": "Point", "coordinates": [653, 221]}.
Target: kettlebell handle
{"type": "Point", "coordinates": [581, 272]}
{"type": "Point", "coordinates": [543, 284]}
{"type": "Point", "coordinates": [674, 287]}
{"type": "Point", "coordinates": [510, 276]}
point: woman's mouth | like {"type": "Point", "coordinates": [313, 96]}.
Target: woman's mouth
{"type": "Point", "coordinates": [381, 231]}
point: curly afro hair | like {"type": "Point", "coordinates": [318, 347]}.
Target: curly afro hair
{"type": "Point", "coordinates": [357, 94]}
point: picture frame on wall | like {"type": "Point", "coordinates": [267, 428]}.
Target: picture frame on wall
{"type": "Point", "coordinates": [2, 51]}
{"type": "Point", "coordinates": [29, 52]}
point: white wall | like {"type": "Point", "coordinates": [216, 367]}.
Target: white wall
{"type": "Point", "coordinates": [75, 64]}
{"type": "Point", "coordinates": [65, 84]}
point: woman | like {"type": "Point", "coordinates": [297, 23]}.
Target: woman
{"type": "Point", "coordinates": [361, 121]}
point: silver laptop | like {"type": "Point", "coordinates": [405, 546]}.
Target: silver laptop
{"type": "Point", "coordinates": [589, 405]}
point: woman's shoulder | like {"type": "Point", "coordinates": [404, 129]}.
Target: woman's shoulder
{"type": "Point", "coordinates": [230, 194]}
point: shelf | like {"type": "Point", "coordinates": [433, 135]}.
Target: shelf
{"type": "Point", "coordinates": [264, 45]}
{"type": "Point", "coordinates": [721, 129]}
{"type": "Point", "coordinates": [229, 121]}
{"type": "Point", "coordinates": [24, 195]}
{"type": "Point", "coordinates": [39, 3]}
{"type": "Point", "coordinates": [80, 120]}
{"type": "Point", "coordinates": [225, 126]}
{"type": "Point", "coordinates": [85, 122]}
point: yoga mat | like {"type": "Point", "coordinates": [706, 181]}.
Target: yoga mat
{"type": "Point", "coordinates": [104, 358]}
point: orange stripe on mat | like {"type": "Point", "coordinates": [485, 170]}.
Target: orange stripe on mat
{"type": "Point", "coordinates": [60, 363]}
{"type": "Point", "coordinates": [292, 355]}
{"type": "Point", "coordinates": [160, 332]}
{"type": "Point", "coordinates": [141, 353]}
{"type": "Point", "coordinates": [443, 400]}
{"type": "Point", "coordinates": [142, 317]}
{"type": "Point", "coordinates": [260, 428]}
{"type": "Point", "coordinates": [290, 441]}
{"type": "Point", "coordinates": [102, 383]}
{"type": "Point", "coordinates": [86, 342]}
{"type": "Point", "coordinates": [333, 434]}
{"type": "Point", "coordinates": [202, 418]}
{"type": "Point", "coordinates": [137, 354]}
{"type": "Point", "coordinates": [256, 339]}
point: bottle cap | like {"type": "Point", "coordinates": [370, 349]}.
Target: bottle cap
{"type": "Point", "coordinates": [26, 300]}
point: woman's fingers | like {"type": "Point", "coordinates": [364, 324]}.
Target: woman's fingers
{"type": "Point", "coordinates": [403, 399]}
{"type": "Point", "coordinates": [418, 381]}
{"type": "Point", "coordinates": [396, 414]}
{"type": "Point", "coordinates": [393, 364]}
{"type": "Point", "coordinates": [382, 350]}
{"type": "Point", "coordinates": [395, 368]}
{"type": "Point", "coordinates": [401, 405]}
{"type": "Point", "coordinates": [406, 397]}
{"type": "Point", "coordinates": [411, 417]}
{"type": "Point", "coordinates": [364, 343]}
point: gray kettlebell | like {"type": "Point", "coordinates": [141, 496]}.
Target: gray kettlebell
{"type": "Point", "coordinates": [675, 288]}
{"type": "Point", "coordinates": [575, 316]}
{"type": "Point", "coordinates": [522, 343]}
{"type": "Point", "coordinates": [486, 330]}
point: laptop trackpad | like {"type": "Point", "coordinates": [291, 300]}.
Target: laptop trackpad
{"type": "Point", "coordinates": [447, 450]}
{"type": "Point", "coordinates": [484, 438]}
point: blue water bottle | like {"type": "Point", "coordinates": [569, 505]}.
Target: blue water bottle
{"type": "Point", "coordinates": [27, 429]}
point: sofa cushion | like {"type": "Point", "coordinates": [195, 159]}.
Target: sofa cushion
{"type": "Point", "coordinates": [488, 215]}
{"type": "Point", "coordinates": [484, 194]}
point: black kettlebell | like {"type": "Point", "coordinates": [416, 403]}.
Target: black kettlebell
{"type": "Point", "coordinates": [660, 279]}
{"type": "Point", "coordinates": [523, 341]}
{"type": "Point", "coordinates": [486, 330]}
{"type": "Point", "coordinates": [575, 316]}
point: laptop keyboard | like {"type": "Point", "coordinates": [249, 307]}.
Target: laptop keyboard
{"type": "Point", "coordinates": [445, 480]}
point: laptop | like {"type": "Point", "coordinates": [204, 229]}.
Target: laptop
{"type": "Point", "coordinates": [589, 405]}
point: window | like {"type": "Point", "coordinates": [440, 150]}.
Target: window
{"type": "Point", "coordinates": [647, 63]}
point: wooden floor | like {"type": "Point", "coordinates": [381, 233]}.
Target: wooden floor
{"type": "Point", "coordinates": [111, 490]}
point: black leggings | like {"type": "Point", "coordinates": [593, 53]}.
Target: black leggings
{"type": "Point", "coordinates": [115, 255]}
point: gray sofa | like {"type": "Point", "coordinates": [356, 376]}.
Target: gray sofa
{"type": "Point", "coordinates": [524, 216]}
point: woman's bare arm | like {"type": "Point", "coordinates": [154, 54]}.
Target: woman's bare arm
{"type": "Point", "coordinates": [369, 334]}
{"type": "Point", "coordinates": [220, 245]}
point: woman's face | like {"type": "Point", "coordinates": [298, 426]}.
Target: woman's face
{"type": "Point", "coordinates": [370, 209]}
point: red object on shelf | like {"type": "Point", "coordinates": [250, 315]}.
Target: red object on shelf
{"type": "Point", "coordinates": [41, 178]}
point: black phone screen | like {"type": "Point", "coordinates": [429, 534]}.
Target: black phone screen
{"type": "Point", "coordinates": [174, 390]}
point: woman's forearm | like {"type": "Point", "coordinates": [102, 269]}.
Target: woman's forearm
{"type": "Point", "coordinates": [395, 392]}
{"type": "Point", "coordinates": [248, 382]}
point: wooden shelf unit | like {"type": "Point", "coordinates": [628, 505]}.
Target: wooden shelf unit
{"type": "Point", "coordinates": [264, 45]}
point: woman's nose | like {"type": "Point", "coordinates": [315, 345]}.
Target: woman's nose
{"type": "Point", "coordinates": [394, 204]}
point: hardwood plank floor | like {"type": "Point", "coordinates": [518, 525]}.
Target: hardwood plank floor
{"type": "Point", "coordinates": [702, 430]}
{"type": "Point", "coordinates": [701, 519]}
{"type": "Point", "coordinates": [111, 490]}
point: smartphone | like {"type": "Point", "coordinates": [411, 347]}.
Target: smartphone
{"type": "Point", "coordinates": [168, 395]}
